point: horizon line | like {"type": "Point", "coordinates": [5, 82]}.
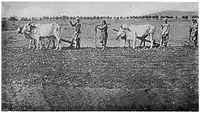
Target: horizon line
{"type": "Point", "coordinates": [97, 15]}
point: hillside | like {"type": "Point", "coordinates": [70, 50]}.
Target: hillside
{"type": "Point", "coordinates": [176, 13]}
{"type": "Point", "coordinates": [8, 25]}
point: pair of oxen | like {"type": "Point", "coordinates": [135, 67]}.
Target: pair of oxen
{"type": "Point", "coordinates": [129, 33]}
{"type": "Point", "coordinates": [35, 32]}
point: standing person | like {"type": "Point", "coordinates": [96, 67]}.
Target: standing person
{"type": "Point", "coordinates": [104, 33]}
{"type": "Point", "coordinates": [76, 35]}
{"type": "Point", "coordinates": [165, 33]}
{"type": "Point", "coordinates": [194, 31]}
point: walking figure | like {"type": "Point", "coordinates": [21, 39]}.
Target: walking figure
{"type": "Point", "coordinates": [104, 33]}
{"type": "Point", "coordinates": [165, 33]}
{"type": "Point", "coordinates": [76, 35]}
{"type": "Point", "coordinates": [193, 32]}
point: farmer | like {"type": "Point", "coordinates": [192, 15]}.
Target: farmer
{"type": "Point", "coordinates": [104, 33]}
{"type": "Point", "coordinates": [76, 35]}
{"type": "Point", "coordinates": [165, 33]}
{"type": "Point", "coordinates": [194, 31]}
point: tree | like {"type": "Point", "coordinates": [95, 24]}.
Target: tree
{"type": "Point", "coordinates": [195, 16]}
{"type": "Point", "coordinates": [155, 17]}
{"type": "Point", "coordinates": [45, 18]}
{"type": "Point", "coordinates": [4, 18]}
{"type": "Point", "coordinates": [87, 17]}
{"type": "Point", "coordinates": [4, 25]}
{"type": "Point", "coordinates": [101, 17]}
{"type": "Point", "coordinates": [171, 17]}
{"type": "Point", "coordinates": [184, 17]}
{"type": "Point", "coordinates": [34, 19]}
{"type": "Point", "coordinates": [40, 18]}
{"type": "Point", "coordinates": [176, 17]}
{"type": "Point", "coordinates": [162, 17]}
{"type": "Point", "coordinates": [63, 17]}
{"type": "Point", "coordinates": [50, 18]}
{"type": "Point", "coordinates": [57, 17]}
{"type": "Point", "coordinates": [22, 19]}
{"type": "Point", "coordinates": [83, 17]}
{"type": "Point", "coordinates": [90, 17]}
{"type": "Point", "coordinates": [13, 18]}
{"type": "Point", "coordinates": [29, 19]}
{"type": "Point", "coordinates": [107, 17]}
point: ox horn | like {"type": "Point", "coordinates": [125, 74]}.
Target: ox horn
{"type": "Point", "coordinates": [116, 30]}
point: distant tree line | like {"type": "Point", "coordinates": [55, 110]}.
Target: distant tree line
{"type": "Point", "coordinates": [14, 18]}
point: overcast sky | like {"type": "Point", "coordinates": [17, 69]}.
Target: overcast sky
{"type": "Point", "coordinates": [37, 9]}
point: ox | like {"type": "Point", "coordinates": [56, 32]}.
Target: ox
{"type": "Point", "coordinates": [136, 31]}
{"type": "Point", "coordinates": [19, 31]}
{"type": "Point", "coordinates": [38, 31]}
{"type": "Point", "coordinates": [32, 40]}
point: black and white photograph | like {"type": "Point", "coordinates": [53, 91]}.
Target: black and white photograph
{"type": "Point", "coordinates": [99, 56]}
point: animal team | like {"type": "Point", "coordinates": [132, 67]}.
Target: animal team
{"type": "Point", "coordinates": [127, 33]}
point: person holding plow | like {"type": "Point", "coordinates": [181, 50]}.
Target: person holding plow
{"type": "Point", "coordinates": [76, 35]}
{"type": "Point", "coordinates": [193, 32]}
{"type": "Point", "coordinates": [104, 33]}
{"type": "Point", "coordinates": [165, 33]}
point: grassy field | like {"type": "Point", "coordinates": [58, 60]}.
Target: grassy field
{"type": "Point", "coordinates": [111, 79]}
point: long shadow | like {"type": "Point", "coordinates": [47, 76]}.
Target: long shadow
{"type": "Point", "coordinates": [67, 41]}
{"type": "Point", "coordinates": [71, 47]}
{"type": "Point", "coordinates": [137, 47]}
{"type": "Point", "coordinates": [143, 39]}
{"type": "Point", "coordinates": [156, 45]}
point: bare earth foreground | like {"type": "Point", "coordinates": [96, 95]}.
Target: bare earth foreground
{"type": "Point", "coordinates": [89, 79]}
